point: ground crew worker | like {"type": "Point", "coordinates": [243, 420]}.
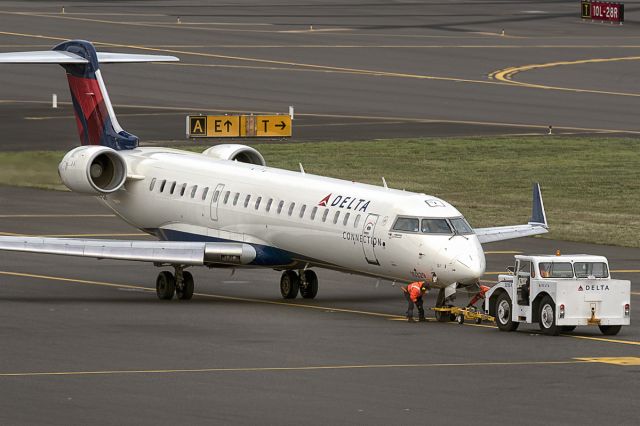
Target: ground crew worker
{"type": "Point", "coordinates": [413, 293]}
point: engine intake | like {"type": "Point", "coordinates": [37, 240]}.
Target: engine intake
{"type": "Point", "coordinates": [93, 169]}
{"type": "Point", "coordinates": [236, 152]}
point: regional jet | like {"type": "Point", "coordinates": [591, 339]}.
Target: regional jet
{"type": "Point", "coordinates": [225, 208]}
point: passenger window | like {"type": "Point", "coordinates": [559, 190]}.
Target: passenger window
{"type": "Point", "coordinates": [269, 204]}
{"type": "Point", "coordinates": [355, 222]}
{"type": "Point", "coordinates": [291, 206]}
{"type": "Point", "coordinates": [435, 226]}
{"type": "Point", "coordinates": [204, 193]}
{"type": "Point", "coordinates": [302, 209]}
{"type": "Point", "coordinates": [346, 219]}
{"type": "Point", "coordinates": [313, 212]}
{"type": "Point", "coordinates": [173, 188]}
{"type": "Point", "coordinates": [246, 200]}
{"type": "Point", "coordinates": [325, 214]}
{"type": "Point", "coordinates": [216, 195]}
{"type": "Point", "coordinates": [182, 189]}
{"type": "Point", "coordinates": [153, 183]}
{"type": "Point", "coordinates": [193, 191]}
{"type": "Point", "coordinates": [406, 224]}
{"type": "Point", "coordinates": [164, 182]}
{"type": "Point", "coordinates": [226, 197]}
{"type": "Point", "coordinates": [258, 202]}
{"type": "Point", "coordinates": [280, 205]}
{"type": "Point", "coordinates": [235, 198]}
{"type": "Point", "coordinates": [335, 217]}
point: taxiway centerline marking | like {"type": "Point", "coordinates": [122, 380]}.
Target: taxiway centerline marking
{"type": "Point", "coordinates": [271, 302]}
{"type": "Point", "coordinates": [302, 368]}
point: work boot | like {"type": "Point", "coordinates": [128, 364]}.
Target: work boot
{"type": "Point", "coordinates": [410, 319]}
{"type": "Point", "coordinates": [422, 319]}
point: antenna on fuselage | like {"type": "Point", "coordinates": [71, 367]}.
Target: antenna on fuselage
{"type": "Point", "coordinates": [384, 182]}
{"type": "Point", "coordinates": [301, 168]}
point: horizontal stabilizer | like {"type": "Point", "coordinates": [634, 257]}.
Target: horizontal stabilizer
{"type": "Point", "coordinates": [63, 57]}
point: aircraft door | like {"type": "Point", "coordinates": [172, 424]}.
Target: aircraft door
{"type": "Point", "coordinates": [369, 240]}
{"type": "Point", "coordinates": [215, 200]}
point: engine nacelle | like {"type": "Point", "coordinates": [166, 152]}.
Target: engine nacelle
{"type": "Point", "coordinates": [241, 153]}
{"type": "Point", "coordinates": [93, 169]}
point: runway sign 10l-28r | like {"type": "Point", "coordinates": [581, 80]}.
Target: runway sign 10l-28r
{"type": "Point", "coordinates": [602, 11]}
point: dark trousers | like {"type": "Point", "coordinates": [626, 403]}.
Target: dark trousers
{"type": "Point", "coordinates": [410, 304]}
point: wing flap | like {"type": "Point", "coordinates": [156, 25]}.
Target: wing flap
{"type": "Point", "coordinates": [169, 252]}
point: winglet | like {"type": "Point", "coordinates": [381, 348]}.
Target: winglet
{"type": "Point", "coordinates": [538, 215]}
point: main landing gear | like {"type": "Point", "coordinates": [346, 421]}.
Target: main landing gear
{"type": "Point", "coordinates": [180, 283]}
{"type": "Point", "coordinates": [306, 282]}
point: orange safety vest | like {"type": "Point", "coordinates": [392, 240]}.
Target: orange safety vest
{"type": "Point", "coordinates": [415, 290]}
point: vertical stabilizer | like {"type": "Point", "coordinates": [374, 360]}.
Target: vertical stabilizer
{"type": "Point", "coordinates": [96, 121]}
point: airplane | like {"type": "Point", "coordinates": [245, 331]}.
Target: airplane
{"type": "Point", "coordinates": [225, 208]}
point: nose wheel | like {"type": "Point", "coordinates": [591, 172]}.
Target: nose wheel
{"type": "Point", "coordinates": [181, 284]}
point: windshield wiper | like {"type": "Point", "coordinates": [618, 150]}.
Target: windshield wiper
{"type": "Point", "coordinates": [456, 232]}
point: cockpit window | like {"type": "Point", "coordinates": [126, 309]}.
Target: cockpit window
{"type": "Point", "coordinates": [435, 226]}
{"type": "Point", "coordinates": [591, 269]}
{"type": "Point", "coordinates": [461, 226]}
{"type": "Point", "coordinates": [406, 224]}
{"type": "Point", "coordinates": [555, 270]}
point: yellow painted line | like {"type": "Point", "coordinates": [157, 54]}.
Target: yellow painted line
{"type": "Point", "coordinates": [619, 360]}
{"type": "Point", "coordinates": [25, 216]}
{"type": "Point", "coordinates": [301, 368]}
{"type": "Point", "coordinates": [602, 339]}
{"type": "Point", "coordinates": [506, 75]}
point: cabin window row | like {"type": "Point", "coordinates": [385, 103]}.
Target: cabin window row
{"type": "Point", "coordinates": [174, 188]}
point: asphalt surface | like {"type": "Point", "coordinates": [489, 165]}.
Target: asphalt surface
{"type": "Point", "coordinates": [87, 341]}
{"type": "Point", "coordinates": [352, 70]}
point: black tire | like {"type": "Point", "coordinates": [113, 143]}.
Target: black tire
{"type": "Point", "coordinates": [610, 330]}
{"type": "Point", "coordinates": [443, 316]}
{"type": "Point", "coordinates": [567, 328]}
{"type": "Point", "coordinates": [186, 292]}
{"type": "Point", "coordinates": [460, 319]}
{"type": "Point", "coordinates": [289, 284]}
{"type": "Point", "coordinates": [547, 317]}
{"type": "Point", "coordinates": [478, 320]}
{"type": "Point", "coordinates": [165, 285]}
{"type": "Point", "coordinates": [310, 288]}
{"type": "Point", "coordinates": [503, 313]}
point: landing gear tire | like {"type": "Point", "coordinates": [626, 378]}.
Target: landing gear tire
{"type": "Point", "coordinates": [547, 317]}
{"type": "Point", "coordinates": [185, 292]}
{"type": "Point", "coordinates": [309, 286]}
{"type": "Point", "coordinates": [610, 330]}
{"type": "Point", "coordinates": [442, 316]}
{"type": "Point", "coordinates": [165, 285]}
{"type": "Point", "coordinates": [503, 314]}
{"type": "Point", "coordinates": [567, 328]}
{"type": "Point", "coordinates": [460, 319]}
{"type": "Point", "coordinates": [289, 284]}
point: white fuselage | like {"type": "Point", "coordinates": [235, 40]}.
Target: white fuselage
{"type": "Point", "coordinates": [292, 218]}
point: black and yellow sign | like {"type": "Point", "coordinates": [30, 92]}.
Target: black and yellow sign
{"type": "Point", "coordinates": [226, 126]}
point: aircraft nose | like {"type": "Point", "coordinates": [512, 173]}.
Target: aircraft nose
{"type": "Point", "coordinates": [471, 264]}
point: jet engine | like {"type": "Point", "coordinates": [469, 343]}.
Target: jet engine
{"type": "Point", "coordinates": [235, 152]}
{"type": "Point", "coordinates": [93, 169]}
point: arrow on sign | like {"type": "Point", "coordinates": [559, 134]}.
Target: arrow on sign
{"type": "Point", "coordinates": [227, 124]}
{"type": "Point", "coordinates": [281, 125]}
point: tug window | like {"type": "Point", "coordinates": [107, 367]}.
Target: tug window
{"type": "Point", "coordinates": [313, 212]}
{"type": "Point", "coordinates": [153, 183]}
{"type": "Point", "coordinates": [591, 269]}
{"type": "Point", "coordinates": [406, 224]}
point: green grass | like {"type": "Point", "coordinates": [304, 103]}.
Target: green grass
{"type": "Point", "coordinates": [590, 186]}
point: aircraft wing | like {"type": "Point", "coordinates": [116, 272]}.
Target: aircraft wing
{"type": "Point", "coordinates": [537, 224]}
{"type": "Point", "coordinates": [63, 57]}
{"type": "Point", "coordinates": [161, 252]}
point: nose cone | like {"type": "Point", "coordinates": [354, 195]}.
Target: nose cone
{"type": "Point", "coordinates": [470, 263]}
